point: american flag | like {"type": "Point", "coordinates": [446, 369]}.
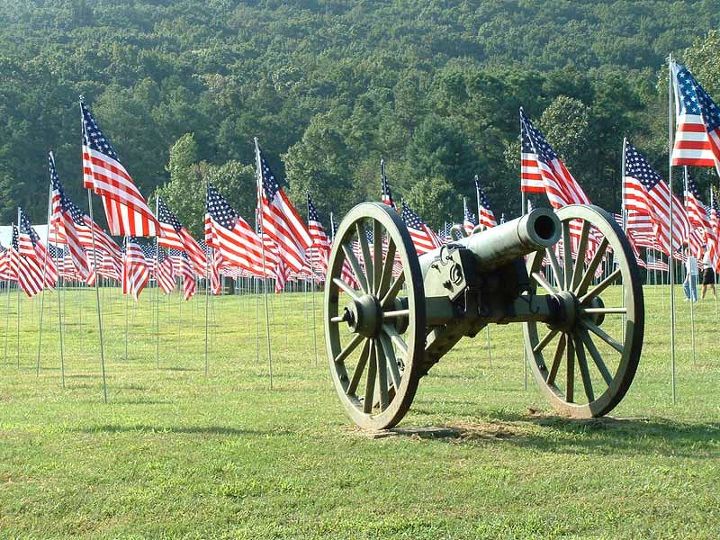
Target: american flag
{"type": "Point", "coordinates": [126, 210]}
{"type": "Point", "coordinates": [713, 236]}
{"type": "Point", "coordinates": [422, 236]}
{"type": "Point", "coordinates": [27, 271]}
{"type": "Point", "coordinates": [165, 273]}
{"type": "Point", "coordinates": [174, 235]}
{"type": "Point", "coordinates": [487, 217]}
{"type": "Point", "coordinates": [385, 195]}
{"type": "Point", "coordinates": [92, 237]}
{"type": "Point", "coordinates": [234, 241]}
{"type": "Point", "coordinates": [183, 269]}
{"type": "Point", "coordinates": [697, 212]}
{"type": "Point", "coordinates": [697, 136]}
{"type": "Point", "coordinates": [280, 220]}
{"type": "Point", "coordinates": [62, 227]}
{"type": "Point", "coordinates": [445, 234]}
{"type": "Point", "coordinates": [135, 271]}
{"type": "Point", "coordinates": [5, 271]}
{"type": "Point", "coordinates": [32, 247]}
{"type": "Point", "coordinates": [646, 193]}
{"type": "Point", "coordinates": [543, 171]}
{"type": "Point", "coordinates": [320, 250]}
{"type": "Point", "coordinates": [469, 219]}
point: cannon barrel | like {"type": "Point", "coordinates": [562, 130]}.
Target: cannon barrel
{"type": "Point", "coordinates": [500, 245]}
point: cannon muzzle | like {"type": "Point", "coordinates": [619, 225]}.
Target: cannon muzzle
{"type": "Point", "coordinates": [500, 245]}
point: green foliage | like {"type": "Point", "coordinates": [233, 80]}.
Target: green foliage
{"type": "Point", "coordinates": [332, 87]}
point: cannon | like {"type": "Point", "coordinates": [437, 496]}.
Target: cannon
{"type": "Point", "coordinates": [569, 277]}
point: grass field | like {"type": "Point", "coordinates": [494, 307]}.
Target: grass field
{"type": "Point", "coordinates": [178, 454]}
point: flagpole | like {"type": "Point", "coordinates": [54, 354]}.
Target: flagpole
{"type": "Point", "coordinates": [44, 284]}
{"type": "Point", "coordinates": [97, 299]}
{"type": "Point", "coordinates": [211, 253]}
{"type": "Point", "coordinates": [262, 244]}
{"type": "Point", "coordinates": [523, 211]}
{"type": "Point", "coordinates": [624, 214]}
{"type": "Point", "coordinates": [157, 291]}
{"type": "Point", "coordinates": [60, 314]}
{"type": "Point", "coordinates": [7, 318]}
{"type": "Point", "coordinates": [672, 246]}
{"type": "Point", "coordinates": [127, 301]}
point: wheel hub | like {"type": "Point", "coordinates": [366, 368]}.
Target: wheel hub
{"type": "Point", "coordinates": [568, 310]}
{"type": "Point", "coordinates": [364, 316]}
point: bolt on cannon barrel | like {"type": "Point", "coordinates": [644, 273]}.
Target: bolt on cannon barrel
{"type": "Point", "coordinates": [495, 247]}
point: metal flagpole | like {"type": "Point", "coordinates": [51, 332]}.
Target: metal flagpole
{"type": "Point", "coordinates": [127, 305]}
{"type": "Point", "coordinates": [693, 285]}
{"type": "Point", "coordinates": [97, 293]}
{"type": "Point", "coordinates": [671, 259]}
{"type": "Point", "coordinates": [7, 318]}
{"type": "Point", "coordinates": [262, 243]}
{"type": "Point", "coordinates": [17, 333]}
{"type": "Point", "coordinates": [44, 284]}
{"type": "Point", "coordinates": [523, 211]}
{"type": "Point", "coordinates": [207, 303]}
{"type": "Point", "coordinates": [257, 320]}
{"type": "Point", "coordinates": [157, 293]}
{"type": "Point", "coordinates": [60, 316]}
{"type": "Point", "coordinates": [624, 215]}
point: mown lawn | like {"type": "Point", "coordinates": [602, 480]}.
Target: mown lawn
{"type": "Point", "coordinates": [178, 454]}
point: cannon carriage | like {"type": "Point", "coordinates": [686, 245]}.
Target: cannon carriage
{"type": "Point", "coordinates": [569, 277]}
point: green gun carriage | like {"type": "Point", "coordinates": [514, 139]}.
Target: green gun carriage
{"type": "Point", "coordinates": [569, 277]}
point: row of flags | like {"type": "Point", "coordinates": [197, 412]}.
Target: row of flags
{"type": "Point", "coordinates": [283, 246]}
{"type": "Point", "coordinates": [650, 210]}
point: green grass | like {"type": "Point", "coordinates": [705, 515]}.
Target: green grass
{"type": "Point", "coordinates": [177, 454]}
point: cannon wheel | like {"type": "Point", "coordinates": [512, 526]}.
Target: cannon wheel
{"type": "Point", "coordinates": [374, 316]}
{"type": "Point", "coordinates": [586, 362]}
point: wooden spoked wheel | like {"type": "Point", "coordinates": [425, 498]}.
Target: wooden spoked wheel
{"type": "Point", "coordinates": [585, 361]}
{"type": "Point", "coordinates": [374, 316]}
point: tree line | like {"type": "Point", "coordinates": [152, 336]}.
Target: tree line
{"type": "Point", "coordinates": [331, 87]}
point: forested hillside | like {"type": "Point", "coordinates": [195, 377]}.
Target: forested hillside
{"type": "Point", "coordinates": [330, 87]}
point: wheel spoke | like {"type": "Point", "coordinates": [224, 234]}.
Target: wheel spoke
{"type": "Point", "coordinates": [355, 265]}
{"type": "Point", "coordinates": [387, 268]}
{"type": "Point", "coordinates": [370, 382]}
{"type": "Point", "coordinates": [393, 290]}
{"type": "Point", "coordinates": [349, 348]}
{"type": "Point", "coordinates": [555, 266]}
{"type": "Point", "coordinates": [359, 368]}
{"type": "Point", "coordinates": [557, 360]}
{"type": "Point", "coordinates": [584, 370]}
{"type": "Point", "coordinates": [382, 376]}
{"type": "Point", "coordinates": [377, 256]}
{"type": "Point", "coordinates": [595, 355]}
{"type": "Point", "coordinates": [604, 284]}
{"type": "Point", "coordinates": [567, 254]}
{"type": "Point", "coordinates": [537, 276]}
{"type": "Point", "coordinates": [590, 270]}
{"type": "Point", "coordinates": [365, 249]}
{"type": "Point", "coordinates": [396, 339]}
{"type": "Point", "coordinates": [599, 332]}
{"type": "Point", "coordinates": [544, 341]}
{"type": "Point", "coordinates": [580, 260]}
{"type": "Point", "coordinates": [391, 359]}
{"type": "Point", "coordinates": [570, 378]}
{"type": "Point", "coordinates": [396, 314]}
{"type": "Point", "coordinates": [346, 288]}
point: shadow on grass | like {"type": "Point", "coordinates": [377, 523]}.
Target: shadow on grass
{"type": "Point", "coordinates": [190, 430]}
{"type": "Point", "coordinates": [549, 433]}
